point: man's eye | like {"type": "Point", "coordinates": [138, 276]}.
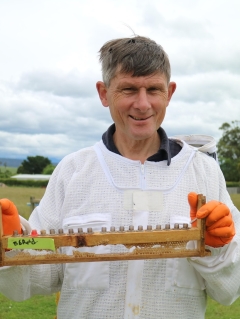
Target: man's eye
{"type": "Point", "coordinates": [128, 89]}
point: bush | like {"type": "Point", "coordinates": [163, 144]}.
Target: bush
{"type": "Point", "coordinates": [48, 170]}
{"type": "Point", "coordinates": [5, 174]}
{"type": "Point", "coordinates": [26, 183]}
{"type": "Point", "coordinates": [233, 184]}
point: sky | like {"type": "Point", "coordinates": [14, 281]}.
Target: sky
{"type": "Point", "coordinates": [49, 66]}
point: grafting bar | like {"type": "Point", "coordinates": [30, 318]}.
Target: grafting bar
{"type": "Point", "coordinates": [141, 244]}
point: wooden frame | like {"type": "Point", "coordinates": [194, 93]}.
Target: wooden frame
{"type": "Point", "coordinates": [145, 244]}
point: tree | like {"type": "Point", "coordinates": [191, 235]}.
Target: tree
{"type": "Point", "coordinates": [229, 151]}
{"type": "Point", "coordinates": [33, 165]}
{"type": "Point", "coordinates": [48, 170]}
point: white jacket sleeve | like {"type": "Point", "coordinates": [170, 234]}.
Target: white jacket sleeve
{"type": "Point", "coordinates": [221, 270]}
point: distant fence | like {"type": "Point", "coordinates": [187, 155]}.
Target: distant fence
{"type": "Point", "coordinates": [233, 190]}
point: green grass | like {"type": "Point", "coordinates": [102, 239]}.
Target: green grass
{"type": "Point", "coordinates": [215, 310]}
{"type": "Point", "coordinates": [236, 200]}
{"type": "Point", "coordinates": [21, 196]}
{"type": "Point", "coordinates": [44, 307]}
{"type": "Point", "coordinates": [38, 307]}
{"type": "Point", "coordinates": [13, 171]}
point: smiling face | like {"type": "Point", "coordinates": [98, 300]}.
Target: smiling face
{"type": "Point", "coordinates": [137, 104]}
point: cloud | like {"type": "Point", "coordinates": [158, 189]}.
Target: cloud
{"type": "Point", "coordinates": [173, 26]}
{"type": "Point", "coordinates": [200, 117]}
{"type": "Point", "coordinates": [210, 87]}
{"type": "Point", "coordinates": [49, 67]}
{"type": "Point", "coordinates": [71, 84]}
{"type": "Point", "coordinates": [39, 118]}
{"type": "Point", "coordinates": [206, 58]}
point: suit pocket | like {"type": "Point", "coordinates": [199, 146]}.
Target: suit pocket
{"type": "Point", "coordinates": [91, 275]}
{"type": "Point", "coordinates": [182, 278]}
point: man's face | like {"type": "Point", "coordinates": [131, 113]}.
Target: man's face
{"type": "Point", "coordinates": [137, 104]}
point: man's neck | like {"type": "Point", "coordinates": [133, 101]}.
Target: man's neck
{"type": "Point", "coordinates": [137, 150]}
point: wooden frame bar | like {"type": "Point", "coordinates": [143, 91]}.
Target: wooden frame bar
{"type": "Point", "coordinates": [142, 244]}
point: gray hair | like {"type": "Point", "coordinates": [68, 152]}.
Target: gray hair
{"type": "Point", "coordinates": [138, 55]}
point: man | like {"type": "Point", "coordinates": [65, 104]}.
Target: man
{"type": "Point", "coordinates": [95, 187]}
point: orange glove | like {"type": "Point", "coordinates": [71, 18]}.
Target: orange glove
{"type": "Point", "coordinates": [220, 228]}
{"type": "Point", "coordinates": [10, 217]}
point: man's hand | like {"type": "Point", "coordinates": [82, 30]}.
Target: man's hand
{"type": "Point", "coordinates": [220, 228]}
{"type": "Point", "coordinates": [10, 217]}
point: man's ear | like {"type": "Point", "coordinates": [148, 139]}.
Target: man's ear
{"type": "Point", "coordinates": [171, 89]}
{"type": "Point", "coordinates": [102, 92]}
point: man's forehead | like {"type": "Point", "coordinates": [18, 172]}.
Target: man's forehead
{"type": "Point", "coordinates": [129, 78]}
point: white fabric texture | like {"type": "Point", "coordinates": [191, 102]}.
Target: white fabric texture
{"type": "Point", "coordinates": [87, 190]}
{"type": "Point", "coordinates": [25, 224]}
{"type": "Point", "coordinates": [204, 143]}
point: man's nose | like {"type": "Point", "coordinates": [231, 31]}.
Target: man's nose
{"type": "Point", "coordinates": [142, 101]}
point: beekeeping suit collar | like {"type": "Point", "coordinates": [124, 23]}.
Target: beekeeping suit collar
{"type": "Point", "coordinates": [204, 143]}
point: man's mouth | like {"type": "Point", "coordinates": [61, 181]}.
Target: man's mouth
{"type": "Point", "coordinates": [139, 118]}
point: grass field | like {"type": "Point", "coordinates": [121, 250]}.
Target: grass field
{"type": "Point", "coordinates": [21, 196]}
{"type": "Point", "coordinates": [38, 307]}
{"type": "Point", "coordinates": [44, 307]}
{"type": "Point", "coordinates": [13, 171]}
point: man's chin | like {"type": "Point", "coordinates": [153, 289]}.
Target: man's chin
{"type": "Point", "coordinates": [142, 136]}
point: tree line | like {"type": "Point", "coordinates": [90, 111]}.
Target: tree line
{"type": "Point", "coordinates": [32, 165]}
